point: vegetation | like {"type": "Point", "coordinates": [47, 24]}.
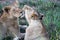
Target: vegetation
{"type": "Point", "coordinates": [0, 6]}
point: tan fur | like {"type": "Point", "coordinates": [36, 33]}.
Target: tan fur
{"type": "Point", "coordinates": [35, 30]}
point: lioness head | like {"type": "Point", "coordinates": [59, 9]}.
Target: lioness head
{"type": "Point", "coordinates": [10, 12]}
{"type": "Point", "coordinates": [29, 12]}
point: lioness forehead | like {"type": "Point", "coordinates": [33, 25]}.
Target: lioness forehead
{"type": "Point", "coordinates": [27, 7]}
{"type": "Point", "coordinates": [17, 9]}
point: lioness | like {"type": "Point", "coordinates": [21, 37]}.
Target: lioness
{"type": "Point", "coordinates": [35, 30]}
{"type": "Point", "coordinates": [9, 21]}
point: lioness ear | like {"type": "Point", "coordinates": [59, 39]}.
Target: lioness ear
{"type": "Point", "coordinates": [16, 3]}
{"type": "Point", "coordinates": [7, 9]}
{"type": "Point", "coordinates": [41, 16]}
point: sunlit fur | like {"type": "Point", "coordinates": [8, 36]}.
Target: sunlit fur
{"type": "Point", "coordinates": [36, 30]}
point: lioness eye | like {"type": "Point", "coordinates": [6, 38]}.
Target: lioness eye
{"type": "Point", "coordinates": [31, 16]}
